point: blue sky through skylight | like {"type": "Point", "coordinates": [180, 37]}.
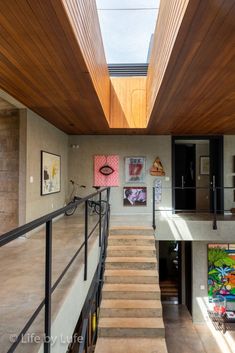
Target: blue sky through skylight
{"type": "Point", "coordinates": [127, 26]}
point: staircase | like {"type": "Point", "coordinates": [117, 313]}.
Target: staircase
{"type": "Point", "coordinates": [131, 312]}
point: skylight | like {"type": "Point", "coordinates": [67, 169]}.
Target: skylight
{"type": "Point", "coordinates": [127, 27]}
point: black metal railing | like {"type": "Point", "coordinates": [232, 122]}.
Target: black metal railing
{"type": "Point", "coordinates": [102, 225]}
{"type": "Point", "coordinates": [88, 342]}
{"type": "Point", "coordinates": [214, 192]}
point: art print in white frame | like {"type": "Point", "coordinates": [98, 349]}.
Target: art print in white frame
{"type": "Point", "coordinates": [50, 173]}
{"type": "Point", "coordinates": [135, 169]}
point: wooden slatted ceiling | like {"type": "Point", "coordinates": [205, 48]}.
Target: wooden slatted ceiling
{"type": "Point", "coordinates": [52, 60]}
{"type": "Point", "coordinates": [128, 102]}
{"type": "Point", "coordinates": [171, 14]}
{"type": "Point", "coordinates": [197, 92]}
{"type": "Point", "coordinates": [53, 68]}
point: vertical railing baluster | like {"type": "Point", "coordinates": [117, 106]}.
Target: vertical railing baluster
{"type": "Point", "coordinates": [154, 209]}
{"type": "Point", "coordinates": [86, 241]}
{"type": "Point", "coordinates": [214, 204]}
{"type": "Point", "coordinates": [48, 280]}
{"type": "Point", "coordinates": [100, 219]}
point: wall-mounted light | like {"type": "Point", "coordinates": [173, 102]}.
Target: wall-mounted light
{"type": "Point", "coordinates": [74, 146]}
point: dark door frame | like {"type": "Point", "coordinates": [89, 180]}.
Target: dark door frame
{"type": "Point", "coordinates": [200, 137]}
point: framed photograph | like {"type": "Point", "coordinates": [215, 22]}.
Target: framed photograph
{"type": "Point", "coordinates": [134, 196]}
{"type": "Point", "coordinates": [135, 169]}
{"type": "Point", "coordinates": [50, 173]}
{"type": "Point", "coordinates": [204, 165]}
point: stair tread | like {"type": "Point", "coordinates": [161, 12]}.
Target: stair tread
{"type": "Point", "coordinates": [113, 287]}
{"type": "Point", "coordinates": [131, 236]}
{"type": "Point", "coordinates": [135, 273]}
{"type": "Point", "coordinates": [131, 227]}
{"type": "Point", "coordinates": [131, 247]}
{"type": "Point", "coordinates": [132, 345]}
{"type": "Point", "coordinates": [131, 259]}
{"type": "Point", "coordinates": [130, 304]}
{"type": "Point", "coordinates": [119, 322]}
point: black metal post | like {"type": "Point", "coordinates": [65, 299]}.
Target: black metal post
{"type": "Point", "coordinates": [48, 280]}
{"type": "Point", "coordinates": [86, 241]}
{"type": "Point", "coordinates": [100, 220]}
{"type": "Point", "coordinates": [215, 208]}
{"type": "Point", "coordinates": [154, 220]}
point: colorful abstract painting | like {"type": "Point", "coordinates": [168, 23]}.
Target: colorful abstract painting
{"type": "Point", "coordinates": [106, 170]}
{"type": "Point", "coordinates": [50, 173]}
{"type": "Point", "coordinates": [221, 271]}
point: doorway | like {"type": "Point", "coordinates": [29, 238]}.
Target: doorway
{"type": "Point", "coordinates": [185, 176]}
{"type": "Point", "coordinates": [197, 166]}
{"type": "Point", "coordinates": [169, 271]}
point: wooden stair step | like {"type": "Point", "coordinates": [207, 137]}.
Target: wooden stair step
{"type": "Point", "coordinates": [134, 250]}
{"type": "Point", "coordinates": [131, 291]}
{"type": "Point", "coordinates": [131, 345]}
{"type": "Point", "coordinates": [131, 276]}
{"type": "Point", "coordinates": [131, 262]}
{"type": "Point", "coordinates": [131, 230]}
{"type": "Point", "coordinates": [130, 308]}
{"type": "Point", "coordinates": [131, 327]}
{"type": "Point", "coordinates": [131, 240]}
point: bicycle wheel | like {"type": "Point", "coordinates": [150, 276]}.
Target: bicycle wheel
{"type": "Point", "coordinates": [100, 207]}
{"type": "Point", "coordinates": [71, 211]}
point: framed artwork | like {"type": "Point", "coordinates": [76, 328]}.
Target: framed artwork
{"type": "Point", "coordinates": [135, 169]}
{"type": "Point", "coordinates": [106, 170]}
{"type": "Point", "coordinates": [50, 173]}
{"type": "Point", "coordinates": [134, 196]}
{"type": "Point", "coordinates": [221, 271]}
{"type": "Point", "coordinates": [158, 190]}
{"type": "Point", "coordinates": [204, 165]}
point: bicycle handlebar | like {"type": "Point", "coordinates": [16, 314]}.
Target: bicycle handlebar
{"type": "Point", "coordinates": [73, 183]}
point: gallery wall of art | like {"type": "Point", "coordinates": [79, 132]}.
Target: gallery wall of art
{"type": "Point", "coordinates": [136, 156]}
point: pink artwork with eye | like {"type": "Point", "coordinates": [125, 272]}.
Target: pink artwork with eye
{"type": "Point", "coordinates": [106, 170]}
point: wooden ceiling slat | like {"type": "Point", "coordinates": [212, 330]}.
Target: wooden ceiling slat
{"type": "Point", "coordinates": [43, 67]}
{"type": "Point", "coordinates": [200, 77]}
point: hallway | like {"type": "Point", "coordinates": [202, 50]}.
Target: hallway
{"type": "Point", "coordinates": [182, 336]}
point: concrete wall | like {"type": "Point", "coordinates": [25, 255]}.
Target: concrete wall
{"type": "Point", "coordinates": [81, 164]}
{"type": "Point", "coordinates": [199, 280]}
{"type": "Point", "coordinates": [9, 172]}
{"type": "Point", "coordinates": [41, 135]}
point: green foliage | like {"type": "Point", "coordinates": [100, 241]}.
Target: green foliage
{"type": "Point", "coordinates": [218, 257]}
{"type": "Point", "coordinates": [232, 291]}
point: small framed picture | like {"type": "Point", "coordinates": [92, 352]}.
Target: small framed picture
{"type": "Point", "coordinates": [135, 169]}
{"type": "Point", "coordinates": [134, 196]}
{"type": "Point", "coordinates": [204, 165]}
{"type": "Point", "coordinates": [50, 173]}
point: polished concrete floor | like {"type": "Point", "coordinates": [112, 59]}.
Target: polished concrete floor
{"type": "Point", "coordinates": [182, 336]}
{"type": "Point", "coordinates": [22, 274]}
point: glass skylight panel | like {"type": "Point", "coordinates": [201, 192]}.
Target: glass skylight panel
{"type": "Point", "coordinates": [127, 27]}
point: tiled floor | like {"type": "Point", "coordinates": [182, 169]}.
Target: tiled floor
{"type": "Point", "coordinates": [182, 336]}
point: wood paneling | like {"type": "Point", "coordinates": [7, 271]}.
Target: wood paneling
{"type": "Point", "coordinates": [52, 60]}
{"type": "Point", "coordinates": [128, 102]}
{"type": "Point", "coordinates": [196, 94]}
{"type": "Point", "coordinates": [171, 14]}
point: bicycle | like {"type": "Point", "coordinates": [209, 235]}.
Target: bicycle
{"type": "Point", "coordinates": [93, 206]}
